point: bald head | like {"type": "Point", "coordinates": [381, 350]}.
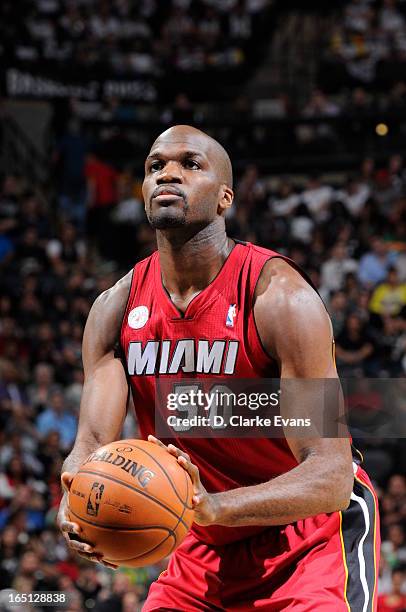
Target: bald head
{"type": "Point", "coordinates": [188, 180]}
{"type": "Point", "coordinates": [187, 134]}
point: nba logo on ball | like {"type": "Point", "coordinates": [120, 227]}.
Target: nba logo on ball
{"type": "Point", "coordinates": [231, 314]}
{"type": "Point", "coordinates": [95, 496]}
{"type": "Point", "coordinates": [138, 317]}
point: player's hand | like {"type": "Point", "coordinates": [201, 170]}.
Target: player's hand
{"type": "Point", "coordinates": [72, 530]}
{"type": "Point", "coordinates": [204, 503]}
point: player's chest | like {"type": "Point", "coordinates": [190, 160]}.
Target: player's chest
{"type": "Point", "coordinates": [210, 342]}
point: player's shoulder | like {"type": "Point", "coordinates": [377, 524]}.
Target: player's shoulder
{"type": "Point", "coordinates": [105, 317]}
{"type": "Point", "coordinates": [287, 307]}
{"type": "Point", "coordinates": [280, 279]}
{"type": "Point", "coordinates": [116, 296]}
{"type": "Point", "coordinates": [275, 274]}
{"type": "Point", "coordinates": [285, 299]}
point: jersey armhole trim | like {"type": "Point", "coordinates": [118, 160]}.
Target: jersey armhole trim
{"type": "Point", "coordinates": [127, 304]}
{"type": "Point", "coordinates": [267, 355]}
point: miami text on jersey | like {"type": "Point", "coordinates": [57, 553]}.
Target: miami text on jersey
{"type": "Point", "coordinates": [187, 355]}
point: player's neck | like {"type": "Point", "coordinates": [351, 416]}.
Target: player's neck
{"type": "Point", "coordinates": [188, 267]}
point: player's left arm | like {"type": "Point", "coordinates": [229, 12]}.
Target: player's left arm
{"type": "Point", "coordinates": [295, 329]}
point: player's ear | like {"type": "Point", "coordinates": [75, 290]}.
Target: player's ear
{"type": "Point", "coordinates": [226, 198]}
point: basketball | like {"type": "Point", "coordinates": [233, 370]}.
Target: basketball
{"type": "Point", "coordinates": [133, 502]}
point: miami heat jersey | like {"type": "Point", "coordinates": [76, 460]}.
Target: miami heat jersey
{"type": "Point", "coordinates": [215, 337]}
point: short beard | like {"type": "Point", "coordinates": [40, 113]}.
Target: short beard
{"type": "Point", "coordinates": [166, 220]}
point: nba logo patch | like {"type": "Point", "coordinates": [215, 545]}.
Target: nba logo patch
{"type": "Point", "coordinates": [231, 314]}
{"type": "Point", "coordinates": [138, 317]}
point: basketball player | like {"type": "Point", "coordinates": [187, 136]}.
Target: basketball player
{"type": "Point", "coordinates": [280, 524]}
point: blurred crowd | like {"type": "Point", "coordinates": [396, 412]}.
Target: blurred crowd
{"type": "Point", "coordinates": [369, 32]}
{"type": "Point", "coordinates": [123, 38]}
{"type": "Point", "coordinates": [356, 102]}
{"type": "Point", "coordinates": [350, 235]}
{"type": "Point", "coordinates": [352, 103]}
{"type": "Point", "coordinates": [48, 283]}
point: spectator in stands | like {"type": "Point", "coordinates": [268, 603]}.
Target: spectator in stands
{"type": "Point", "coordinates": [367, 171]}
{"type": "Point", "coordinates": [386, 190]}
{"type": "Point", "coordinates": [102, 181]}
{"type": "Point", "coordinates": [10, 553]}
{"type": "Point", "coordinates": [72, 23]}
{"type": "Point", "coordinates": [88, 584]}
{"type": "Point", "coordinates": [250, 192]}
{"type": "Point", "coordinates": [6, 249]}
{"type": "Point", "coordinates": [360, 102]}
{"type": "Point", "coordinates": [285, 201]}
{"type": "Point", "coordinates": [11, 388]}
{"type": "Point", "coordinates": [354, 347]}
{"type": "Point", "coordinates": [317, 198]}
{"type": "Point", "coordinates": [374, 265]}
{"type": "Point", "coordinates": [319, 105]}
{"type": "Point", "coordinates": [354, 196]}
{"type": "Point", "coordinates": [18, 445]}
{"type": "Point", "coordinates": [391, 20]}
{"type": "Point", "coordinates": [396, 98]}
{"type": "Point", "coordinates": [389, 297]}
{"type": "Point", "coordinates": [391, 513]}
{"type": "Point", "coordinates": [68, 247]}
{"type": "Point", "coordinates": [390, 346]}
{"type": "Point", "coordinates": [103, 25]}
{"type": "Point", "coordinates": [397, 488]}
{"type": "Point", "coordinates": [394, 547]}
{"type": "Point", "coordinates": [239, 25]}
{"type": "Point", "coordinates": [57, 418]}
{"type": "Point", "coordinates": [397, 173]}
{"type": "Point", "coordinates": [130, 602]}
{"type": "Point", "coordinates": [113, 602]}
{"type": "Point", "coordinates": [334, 270]}
{"type": "Point", "coordinates": [39, 391]}
{"type": "Point", "coordinates": [32, 214]}
{"type": "Point", "coordinates": [358, 16]}
{"type": "Point", "coordinates": [21, 494]}
{"type": "Point", "coordinates": [182, 110]}
{"type": "Point", "coordinates": [70, 157]}
{"type": "Point", "coordinates": [49, 450]}
{"type": "Point", "coordinates": [302, 228]}
{"type": "Point", "coordinates": [75, 388]}
{"type": "Point", "coordinates": [31, 572]}
{"type": "Point", "coordinates": [29, 249]}
{"type": "Point", "coordinates": [337, 309]}
{"type": "Point", "coordinates": [395, 600]}
{"type": "Point", "coordinates": [15, 475]}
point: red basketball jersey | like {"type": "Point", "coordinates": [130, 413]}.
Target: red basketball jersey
{"type": "Point", "coordinates": [216, 337]}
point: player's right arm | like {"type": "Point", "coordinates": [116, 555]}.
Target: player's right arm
{"type": "Point", "coordinates": [104, 397]}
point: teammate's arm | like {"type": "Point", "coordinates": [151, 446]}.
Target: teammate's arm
{"type": "Point", "coordinates": [295, 329]}
{"type": "Point", "coordinates": [104, 396]}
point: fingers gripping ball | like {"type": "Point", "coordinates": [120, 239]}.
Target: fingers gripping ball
{"type": "Point", "coordinates": [133, 502]}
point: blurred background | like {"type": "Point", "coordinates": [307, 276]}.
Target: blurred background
{"type": "Point", "coordinates": [310, 101]}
